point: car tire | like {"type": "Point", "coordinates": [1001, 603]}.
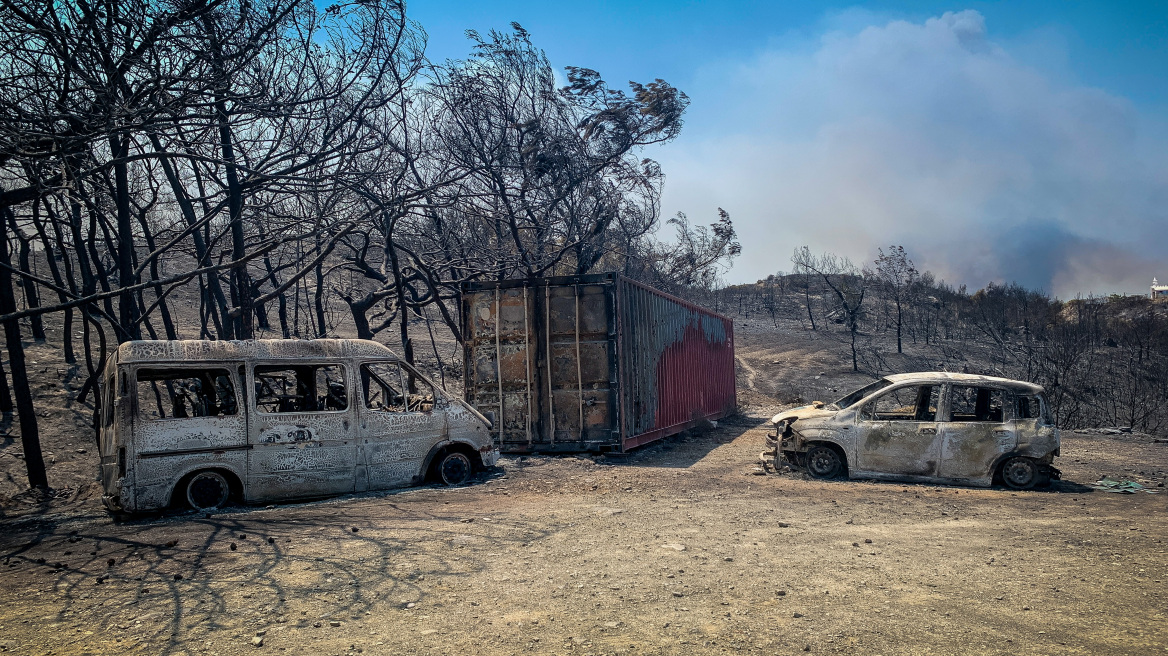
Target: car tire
{"type": "Point", "coordinates": [455, 468]}
{"type": "Point", "coordinates": [823, 462]}
{"type": "Point", "coordinates": [1021, 473]}
{"type": "Point", "coordinates": [208, 490]}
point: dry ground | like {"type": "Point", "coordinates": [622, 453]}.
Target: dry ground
{"type": "Point", "coordinates": [676, 549]}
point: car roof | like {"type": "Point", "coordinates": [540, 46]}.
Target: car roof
{"type": "Point", "coordinates": [193, 350]}
{"type": "Point", "coordinates": [963, 379]}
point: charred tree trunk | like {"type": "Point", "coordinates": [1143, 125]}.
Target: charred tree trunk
{"type": "Point", "coordinates": [31, 298]}
{"type": "Point", "coordinates": [163, 308]}
{"type": "Point", "coordinates": [26, 413]}
{"type": "Point", "coordinates": [6, 406]}
{"type": "Point", "coordinates": [318, 297]}
{"type": "Point", "coordinates": [127, 304]}
{"type": "Point", "coordinates": [51, 254]}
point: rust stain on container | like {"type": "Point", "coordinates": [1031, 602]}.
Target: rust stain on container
{"type": "Point", "coordinates": [593, 363]}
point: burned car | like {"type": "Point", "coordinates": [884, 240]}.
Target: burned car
{"type": "Point", "coordinates": [935, 427]}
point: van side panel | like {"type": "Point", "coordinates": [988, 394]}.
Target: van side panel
{"type": "Point", "coordinates": [394, 445]}
{"type": "Point", "coordinates": [301, 454]}
{"type": "Point", "coordinates": [166, 450]}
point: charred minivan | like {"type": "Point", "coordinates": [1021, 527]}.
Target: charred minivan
{"type": "Point", "coordinates": [934, 427]}
{"type": "Point", "coordinates": [199, 423]}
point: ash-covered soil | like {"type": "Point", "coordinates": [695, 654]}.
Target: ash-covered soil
{"type": "Point", "coordinates": [679, 548]}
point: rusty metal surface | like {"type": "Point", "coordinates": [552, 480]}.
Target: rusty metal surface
{"type": "Point", "coordinates": [270, 454]}
{"type": "Point", "coordinates": [592, 363]}
{"type": "Point", "coordinates": [942, 447]}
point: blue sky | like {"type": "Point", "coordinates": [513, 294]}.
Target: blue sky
{"type": "Point", "coordinates": [994, 140]}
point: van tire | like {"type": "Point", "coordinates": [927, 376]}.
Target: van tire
{"type": "Point", "coordinates": [455, 468]}
{"type": "Point", "coordinates": [207, 490]}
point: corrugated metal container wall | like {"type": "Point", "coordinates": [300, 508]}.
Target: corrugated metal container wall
{"type": "Point", "coordinates": [679, 363]}
{"type": "Point", "coordinates": [592, 363]}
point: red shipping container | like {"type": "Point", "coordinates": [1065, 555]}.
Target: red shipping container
{"type": "Point", "coordinates": [595, 363]}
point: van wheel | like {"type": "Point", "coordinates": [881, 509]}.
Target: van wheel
{"type": "Point", "coordinates": [1020, 473]}
{"type": "Point", "coordinates": [823, 462]}
{"type": "Point", "coordinates": [207, 490]}
{"type": "Point", "coordinates": [455, 468]}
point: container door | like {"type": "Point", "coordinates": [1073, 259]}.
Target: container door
{"type": "Point", "coordinates": [502, 369]}
{"type": "Point", "coordinates": [978, 431]}
{"type": "Point", "coordinates": [301, 432]}
{"type": "Point", "coordinates": [402, 418]}
{"type": "Point", "coordinates": [581, 368]}
{"type": "Point", "coordinates": [898, 432]}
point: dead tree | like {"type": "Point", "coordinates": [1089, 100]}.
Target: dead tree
{"type": "Point", "coordinates": [847, 283]}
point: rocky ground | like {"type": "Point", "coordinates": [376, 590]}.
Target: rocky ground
{"type": "Point", "coordinates": [680, 548]}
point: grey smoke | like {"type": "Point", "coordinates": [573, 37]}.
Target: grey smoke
{"type": "Point", "coordinates": [931, 135]}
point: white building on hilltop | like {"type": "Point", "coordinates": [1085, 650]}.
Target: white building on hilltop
{"type": "Point", "coordinates": [1158, 291]}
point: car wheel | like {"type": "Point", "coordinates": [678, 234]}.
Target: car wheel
{"type": "Point", "coordinates": [455, 468]}
{"type": "Point", "coordinates": [823, 462]}
{"type": "Point", "coordinates": [1020, 473]}
{"type": "Point", "coordinates": [207, 490]}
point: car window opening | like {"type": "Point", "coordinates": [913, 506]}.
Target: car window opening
{"type": "Point", "coordinates": [861, 393]}
{"type": "Point", "coordinates": [916, 403]}
{"type": "Point", "coordinates": [976, 404]}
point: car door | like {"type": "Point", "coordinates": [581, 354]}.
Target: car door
{"type": "Point", "coordinates": [977, 430]}
{"type": "Point", "coordinates": [898, 434]}
{"type": "Point", "coordinates": [402, 418]}
{"type": "Point", "coordinates": [301, 431]}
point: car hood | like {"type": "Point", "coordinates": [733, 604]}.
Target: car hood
{"type": "Point", "coordinates": [803, 412]}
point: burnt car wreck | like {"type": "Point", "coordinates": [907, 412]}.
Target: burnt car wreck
{"type": "Point", "coordinates": [935, 427]}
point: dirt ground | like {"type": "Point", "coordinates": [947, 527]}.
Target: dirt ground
{"type": "Point", "coordinates": [679, 548]}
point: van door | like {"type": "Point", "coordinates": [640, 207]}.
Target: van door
{"type": "Point", "coordinates": [301, 431]}
{"type": "Point", "coordinates": [898, 432]}
{"type": "Point", "coordinates": [976, 433]}
{"type": "Point", "coordinates": [402, 418]}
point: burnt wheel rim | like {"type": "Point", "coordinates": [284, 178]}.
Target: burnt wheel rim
{"type": "Point", "coordinates": [823, 462]}
{"type": "Point", "coordinates": [455, 469]}
{"type": "Point", "coordinates": [207, 491]}
{"type": "Point", "coordinates": [1020, 473]}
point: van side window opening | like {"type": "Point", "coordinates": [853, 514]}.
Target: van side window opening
{"type": "Point", "coordinates": [301, 388]}
{"type": "Point", "coordinates": [969, 403]}
{"type": "Point", "coordinates": [390, 388]}
{"type": "Point", "coordinates": [185, 393]}
{"type": "Point", "coordinates": [916, 403]}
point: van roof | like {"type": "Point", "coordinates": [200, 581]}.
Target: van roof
{"type": "Point", "coordinates": [257, 349]}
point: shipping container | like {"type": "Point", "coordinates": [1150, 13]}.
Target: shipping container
{"type": "Point", "coordinates": [595, 363]}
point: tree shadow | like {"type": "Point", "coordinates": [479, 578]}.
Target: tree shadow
{"type": "Point", "coordinates": [187, 578]}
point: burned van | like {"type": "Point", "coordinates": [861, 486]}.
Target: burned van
{"type": "Point", "coordinates": [930, 427]}
{"type": "Point", "coordinates": [202, 423]}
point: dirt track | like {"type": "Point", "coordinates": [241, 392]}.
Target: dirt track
{"type": "Point", "coordinates": [677, 550]}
